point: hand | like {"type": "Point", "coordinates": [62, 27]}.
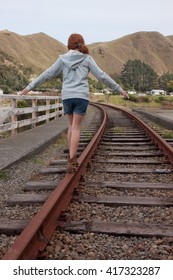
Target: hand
{"type": "Point", "coordinates": [23, 92]}
{"type": "Point", "coordinates": [125, 94]}
{"type": "Point", "coordinates": [19, 93]}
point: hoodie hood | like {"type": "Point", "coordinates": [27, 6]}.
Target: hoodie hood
{"type": "Point", "coordinates": [72, 59]}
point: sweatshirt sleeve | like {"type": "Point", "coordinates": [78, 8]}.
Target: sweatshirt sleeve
{"type": "Point", "coordinates": [48, 74]}
{"type": "Point", "coordinates": [103, 77]}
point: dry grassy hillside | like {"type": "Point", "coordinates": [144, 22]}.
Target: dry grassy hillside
{"type": "Point", "coordinates": [170, 37]}
{"type": "Point", "coordinates": [150, 47]}
{"type": "Point", "coordinates": [39, 51]}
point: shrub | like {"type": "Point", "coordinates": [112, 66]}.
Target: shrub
{"type": "Point", "coordinates": [145, 99]}
{"type": "Point", "coordinates": [133, 98]}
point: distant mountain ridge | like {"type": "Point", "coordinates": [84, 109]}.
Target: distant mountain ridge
{"type": "Point", "coordinates": [39, 51]}
{"type": "Point", "coordinates": [150, 47]}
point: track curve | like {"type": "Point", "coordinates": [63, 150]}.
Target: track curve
{"type": "Point", "coordinates": [124, 133]}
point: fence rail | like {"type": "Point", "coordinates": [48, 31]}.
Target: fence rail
{"type": "Point", "coordinates": [34, 112]}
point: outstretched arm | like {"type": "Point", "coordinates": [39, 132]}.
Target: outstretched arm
{"type": "Point", "coordinates": [105, 78]}
{"type": "Point", "coordinates": [23, 92]}
{"type": "Point", "coordinates": [48, 74]}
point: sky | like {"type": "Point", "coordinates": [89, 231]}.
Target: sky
{"type": "Point", "coordinates": [96, 20]}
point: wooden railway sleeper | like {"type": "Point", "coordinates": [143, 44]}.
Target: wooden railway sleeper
{"type": "Point", "coordinates": [90, 226]}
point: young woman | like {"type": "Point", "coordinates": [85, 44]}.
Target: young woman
{"type": "Point", "coordinates": [75, 66]}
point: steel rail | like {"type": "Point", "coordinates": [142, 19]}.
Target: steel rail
{"type": "Point", "coordinates": [156, 138]}
{"type": "Point", "coordinates": [39, 231]}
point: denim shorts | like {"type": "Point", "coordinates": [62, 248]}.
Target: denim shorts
{"type": "Point", "coordinates": [75, 106]}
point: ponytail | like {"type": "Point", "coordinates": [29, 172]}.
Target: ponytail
{"type": "Point", "coordinates": [76, 42]}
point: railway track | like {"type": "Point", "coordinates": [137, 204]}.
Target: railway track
{"type": "Point", "coordinates": [125, 165]}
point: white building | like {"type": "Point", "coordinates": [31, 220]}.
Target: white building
{"type": "Point", "coordinates": [158, 92]}
{"type": "Point", "coordinates": [131, 91]}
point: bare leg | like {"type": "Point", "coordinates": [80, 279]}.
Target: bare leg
{"type": "Point", "coordinates": [70, 120]}
{"type": "Point", "coordinates": [74, 133]}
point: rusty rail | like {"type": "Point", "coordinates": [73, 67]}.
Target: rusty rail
{"type": "Point", "coordinates": [38, 232]}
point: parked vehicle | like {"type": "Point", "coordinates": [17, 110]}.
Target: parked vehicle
{"type": "Point", "coordinates": [158, 92]}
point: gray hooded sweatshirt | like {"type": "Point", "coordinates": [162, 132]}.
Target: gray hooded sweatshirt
{"type": "Point", "coordinates": [75, 67]}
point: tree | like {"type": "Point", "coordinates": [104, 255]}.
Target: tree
{"type": "Point", "coordinates": [13, 76]}
{"type": "Point", "coordinates": [170, 86]}
{"type": "Point", "coordinates": [164, 81]}
{"type": "Point", "coordinates": [139, 76]}
{"type": "Point", "coordinates": [11, 79]}
{"type": "Point", "coordinates": [95, 85]}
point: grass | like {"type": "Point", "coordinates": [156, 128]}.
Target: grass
{"type": "Point", "coordinates": [37, 161]}
{"type": "Point", "coordinates": [136, 101]}
{"type": "Point", "coordinates": [118, 129]}
{"type": "Point", "coordinates": [168, 134]}
{"type": "Point", "coordinates": [4, 176]}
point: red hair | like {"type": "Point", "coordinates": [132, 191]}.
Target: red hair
{"type": "Point", "coordinates": [76, 42]}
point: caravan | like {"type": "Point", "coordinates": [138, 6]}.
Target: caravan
{"type": "Point", "coordinates": [158, 92]}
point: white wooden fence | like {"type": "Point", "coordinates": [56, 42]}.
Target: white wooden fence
{"type": "Point", "coordinates": [52, 103]}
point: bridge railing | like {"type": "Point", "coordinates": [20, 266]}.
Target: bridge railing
{"type": "Point", "coordinates": [35, 109]}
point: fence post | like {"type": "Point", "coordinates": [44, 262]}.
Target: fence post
{"type": "Point", "coordinates": [14, 117]}
{"type": "Point", "coordinates": [57, 109]}
{"type": "Point", "coordinates": [47, 111]}
{"type": "Point", "coordinates": [32, 118]}
{"type": "Point", "coordinates": [34, 113]}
